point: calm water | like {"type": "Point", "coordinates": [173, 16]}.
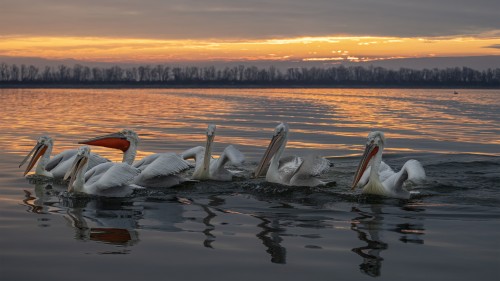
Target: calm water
{"type": "Point", "coordinates": [247, 229]}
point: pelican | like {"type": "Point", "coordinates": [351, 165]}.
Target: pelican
{"type": "Point", "coordinates": [125, 140]}
{"type": "Point", "coordinates": [157, 170]}
{"type": "Point", "coordinates": [207, 168]}
{"type": "Point", "coordinates": [291, 170]}
{"type": "Point", "coordinates": [59, 164]}
{"type": "Point", "coordinates": [379, 178]}
{"type": "Point", "coordinates": [107, 179]}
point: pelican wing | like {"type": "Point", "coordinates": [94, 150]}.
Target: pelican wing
{"type": "Point", "coordinates": [230, 154]}
{"type": "Point", "coordinates": [94, 174]}
{"type": "Point", "coordinates": [60, 158]}
{"type": "Point", "coordinates": [288, 166]}
{"type": "Point", "coordinates": [195, 152]}
{"type": "Point", "coordinates": [165, 165]}
{"type": "Point", "coordinates": [144, 162]}
{"type": "Point", "coordinates": [163, 172]}
{"type": "Point", "coordinates": [63, 161]}
{"type": "Point", "coordinates": [415, 171]}
{"type": "Point", "coordinates": [412, 171]}
{"type": "Point", "coordinates": [118, 174]}
{"type": "Point", "coordinates": [313, 166]}
{"type": "Point", "coordinates": [96, 159]}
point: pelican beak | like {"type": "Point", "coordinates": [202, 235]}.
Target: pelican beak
{"type": "Point", "coordinates": [115, 140]}
{"type": "Point", "coordinates": [37, 151]}
{"type": "Point", "coordinates": [78, 163]}
{"type": "Point", "coordinates": [273, 147]}
{"type": "Point", "coordinates": [370, 151]}
{"type": "Point", "coordinates": [208, 151]}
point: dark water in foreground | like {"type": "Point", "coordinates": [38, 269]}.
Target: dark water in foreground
{"type": "Point", "coordinates": [248, 229]}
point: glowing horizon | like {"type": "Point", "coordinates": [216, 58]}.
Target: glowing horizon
{"type": "Point", "coordinates": [320, 48]}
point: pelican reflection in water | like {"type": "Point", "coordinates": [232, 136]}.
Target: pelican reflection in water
{"type": "Point", "coordinates": [115, 227]}
{"type": "Point", "coordinates": [291, 170]}
{"type": "Point", "coordinates": [370, 227]}
{"type": "Point", "coordinates": [106, 220]}
{"type": "Point", "coordinates": [378, 178]}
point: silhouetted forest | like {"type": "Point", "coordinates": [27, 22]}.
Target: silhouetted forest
{"type": "Point", "coordinates": [165, 76]}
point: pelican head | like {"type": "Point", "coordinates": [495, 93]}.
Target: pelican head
{"type": "Point", "coordinates": [211, 129]}
{"type": "Point", "coordinates": [43, 143]}
{"type": "Point", "coordinates": [278, 141]}
{"type": "Point", "coordinates": [79, 165]}
{"type": "Point", "coordinates": [120, 140]}
{"type": "Point", "coordinates": [374, 144]}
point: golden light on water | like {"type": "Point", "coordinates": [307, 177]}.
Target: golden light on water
{"type": "Point", "coordinates": [172, 120]}
{"type": "Point", "coordinates": [329, 48]}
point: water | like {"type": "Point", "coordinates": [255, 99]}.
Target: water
{"type": "Point", "coordinates": [247, 229]}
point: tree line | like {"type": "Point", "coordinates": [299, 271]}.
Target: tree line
{"type": "Point", "coordinates": [164, 75]}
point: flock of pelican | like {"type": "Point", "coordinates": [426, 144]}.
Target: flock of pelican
{"type": "Point", "coordinates": [89, 173]}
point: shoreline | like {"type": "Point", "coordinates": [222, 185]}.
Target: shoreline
{"type": "Point", "coordinates": [231, 86]}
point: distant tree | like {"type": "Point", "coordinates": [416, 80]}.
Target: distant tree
{"type": "Point", "coordinates": [5, 74]}
{"type": "Point", "coordinates": [14, 72]}
{"type": "Point", "coordinates": [131, 74]}
{"type": "Point", "coordinates": [247, 75]}
{"type": "Point", "coordinates": [97, 74]}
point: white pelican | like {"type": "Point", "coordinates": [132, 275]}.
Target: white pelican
{"type": "Point", "coordinates": [379, 178]}
{"type": "Point", "coordinates": [157, 170]}
{"type": "Point", "coordinates": [207, 168]}
{"type": "Point", "coordinates": [291, 170]}
{"type": "Point", "coordinates": [125, 140]}
{"type": "Point", "coordinates": [107, 179]}
{"type": "Point", "coordinates": [59, 164]}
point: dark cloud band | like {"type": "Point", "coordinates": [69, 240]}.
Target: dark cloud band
{"type": "Point", "coordinates": [181, 19]}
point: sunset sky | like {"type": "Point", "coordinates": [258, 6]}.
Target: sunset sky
{"type": "Point", "coordinates": [235, 30]}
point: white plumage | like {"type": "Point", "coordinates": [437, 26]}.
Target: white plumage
{"type": "Point", "coordinates": [157, 170]}
{"type": "Point", "coordinates": [378, 178]}
{"type": "Point", "coordinates": [291, 170]}
{"type": "Point", "coordinates": [59, 164]}
{"type": "Point", "coordinates": [108, 179]}
{"type": "Point", "coordinates": [161, 170]}
{"type": "Point", "coordinates": [208, 168]}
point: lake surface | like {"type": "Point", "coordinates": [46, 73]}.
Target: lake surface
{"type": "Point", "coordinates": [248, 229]}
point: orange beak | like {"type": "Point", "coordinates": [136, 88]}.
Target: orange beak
{"type": "Point", "coordinates": [370, 151]}
{"type": "Point", "coordinates": [115, 140]}
{"type": "Point", "coordinates": [273, 147]}
{"type": "Point", "coordinates": [39, 150]}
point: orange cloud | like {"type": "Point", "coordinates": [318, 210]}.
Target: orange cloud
{"type": "Point", "coordinates": [300, 49]}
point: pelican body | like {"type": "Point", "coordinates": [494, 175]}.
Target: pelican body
{"type": "Point", "coordinates": [378, 178]}
{"type": "Point", "coordinates": [207, 168]}
{"type": "Point", "coordinates": [291, 170]}
{"type": "Point", "coordinates": [107, 179]}
{"type": "Point", "coordinates": [157, 170]}
{"type": "Point", "coordinates": [59, 164]}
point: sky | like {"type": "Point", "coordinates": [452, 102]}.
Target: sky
{"type": "Point", "coordinates": [248, 30]}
